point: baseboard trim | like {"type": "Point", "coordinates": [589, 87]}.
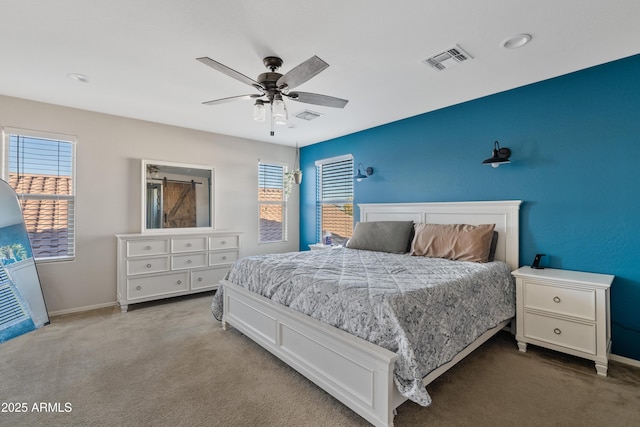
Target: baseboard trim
{"type": "Point", "coordinates": [625, 360]}
{"type": "Point", "coordinates": [81, 309]}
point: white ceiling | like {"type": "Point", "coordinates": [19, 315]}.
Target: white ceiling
{"type": "Point", "coordinates": [139, 55]}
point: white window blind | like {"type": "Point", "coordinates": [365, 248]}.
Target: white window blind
{"type": "Point", "coordinates": [272, 203]}
{"type": "Point", "coordinates": [41, 171]}
{"type": "Point", "coordinates": [334, 198]}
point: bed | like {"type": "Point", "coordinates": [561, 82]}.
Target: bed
{"type": "Point", "coordinates": [373, 380]}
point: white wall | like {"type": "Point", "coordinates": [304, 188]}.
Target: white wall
{"type": "Point", "coordinates": [109, 153]}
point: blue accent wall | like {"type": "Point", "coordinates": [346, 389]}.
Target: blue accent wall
{"type": "Point", "coordinates": [575, 143]}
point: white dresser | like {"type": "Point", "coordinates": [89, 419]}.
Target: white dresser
{"type": "Point", "coordinates": [155, 266]}
{"type": "Point", "coordinates": [566, 311]}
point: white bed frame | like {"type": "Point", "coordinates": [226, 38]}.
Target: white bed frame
{"type": "Point", "coordinates": [354, 371]}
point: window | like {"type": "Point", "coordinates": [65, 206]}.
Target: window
{"type": "Point", "coordinates": [40, 168]}
{"type": "Point", "coordinates": [334, 198]}
{"type": "Point", "coordinates": [272, 203]}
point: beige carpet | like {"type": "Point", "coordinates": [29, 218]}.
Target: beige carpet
{"type": "Point", "coordinates": [170, 364]}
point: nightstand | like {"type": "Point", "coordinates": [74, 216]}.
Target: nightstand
{"type": "Point", "coordinates": [566, 311]}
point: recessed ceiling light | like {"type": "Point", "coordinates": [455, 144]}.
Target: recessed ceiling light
{"type": "Point", "coordinates": [516, 41]}
{"type": "Point", "coordinates": [78, 77]}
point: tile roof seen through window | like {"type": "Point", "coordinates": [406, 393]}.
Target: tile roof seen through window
{"type": "Point", "coordinates": [48, 220]}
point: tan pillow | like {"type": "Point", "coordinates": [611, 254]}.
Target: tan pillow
{"type": "Point", "coordinates": [461, 242]}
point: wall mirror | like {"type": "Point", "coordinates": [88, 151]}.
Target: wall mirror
{"type": "Point", "coordinates": [176, 196]}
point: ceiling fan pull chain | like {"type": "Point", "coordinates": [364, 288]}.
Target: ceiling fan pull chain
{"type": "Point", "coordinates": [272, 119]}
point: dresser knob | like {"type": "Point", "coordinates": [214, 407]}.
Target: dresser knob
{"type": "Point", "coordinates": [556, 299]}
{"type": "Point", "coordinates": [188, 261]}
{"type": "Point", "coordinates": [179, 282]}
{"type": "Point", "coordinates": [224, 242]}
{"type": "Point", "coordinates": [148, 248]}
{"type": "Point", "coordinates": [557, 331]}
{"type": "Point", "coordinates": [189, 245]}
{"type": "Point", "coordinates": [199, 279]}
{"type": "Point", "coordinates": [224, 257]}
{"type": "Point", "coordinates": [148, 265]}
{"type": "Point", "coordinates": [138, 287]}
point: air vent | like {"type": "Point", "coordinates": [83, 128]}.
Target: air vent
{"type": "Point", "coordinates": [448, 58]}
{"type": "Point", "coordinates": [308, 115]}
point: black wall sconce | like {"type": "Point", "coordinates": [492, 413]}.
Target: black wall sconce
{"type": "Point", "coordinates": [363, 173]}
{"type": "Point", "coordinates": [500, 156]}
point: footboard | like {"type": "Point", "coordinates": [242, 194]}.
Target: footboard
{"type": "Point", "coordinates": [354, 371]}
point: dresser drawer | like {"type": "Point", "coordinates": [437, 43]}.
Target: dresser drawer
{"type": "Point", "coordinates": [207, 278]}
{"type": "Point", "coordinates": [223, 242]}
{"type": "Point", "coordinates": [223, 257]}
{"type": "Point", "coordinates": [179, 262]}
{"type": "Point", "coordinates": [147, 265]}
{"type": "Point", "coordinates": [147, 247]}
{"type": "Point", "coordinates": [188, 244]}
{"type": "Point", "coordinates": [566, 301]}
{"type": "Point", "coordinates": [573, 335]}
{"type": "Point", "coordinates": [157, 285]}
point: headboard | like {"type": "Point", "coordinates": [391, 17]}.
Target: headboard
{"type": "Point", "coordinates": [504, 214]}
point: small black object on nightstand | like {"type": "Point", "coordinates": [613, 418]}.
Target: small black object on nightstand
{"type": "Point", "coordinates": [536, 262]}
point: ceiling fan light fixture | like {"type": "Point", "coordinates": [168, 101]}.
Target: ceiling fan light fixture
{"type": "Point", "coordinates": [279, 112]}
{"type": "Point", "coordinates": [259, 111]}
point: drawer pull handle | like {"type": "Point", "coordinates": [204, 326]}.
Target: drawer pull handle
{"type": "Point", "coordinates": [199, 279]}
{"type": "Point", "coordinates": [138, 287]}
{"type": "Point", "coordinates": [557, 331]}
{"type": "Point", "coordinates": [224, 257]}
{"type": "Point", "coordinates": [224, 242]}
{"type": "Point", "coordinates": [189, 245]}
{"type": "Point", "coordinates": [179, 282]}
{"type": "Point", "coordinates": [148, 265]}
{"type": "Point", "coordinates": [148, 248]}
{"type": "Point", "coordinates": [188, 261]}
{"type": "Point", "coordinates": [556, 299]}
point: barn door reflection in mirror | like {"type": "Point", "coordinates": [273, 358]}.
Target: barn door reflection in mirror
{"type": "Point", "coordinates": [179, 205]}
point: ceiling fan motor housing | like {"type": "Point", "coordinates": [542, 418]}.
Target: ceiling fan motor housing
{"type": "Point", "coordinates": [272, 62]}
{"type": "Point", "coordinates": [268, 82]}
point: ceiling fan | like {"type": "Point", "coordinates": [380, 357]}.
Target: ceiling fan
{"type": "Point", "coordinates": [273, 86]}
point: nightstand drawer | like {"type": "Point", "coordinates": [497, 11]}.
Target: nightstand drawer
{"type": "Point", "coordinates": [573, 335]}
{"type": "Point", "coordinates": [556, 299]}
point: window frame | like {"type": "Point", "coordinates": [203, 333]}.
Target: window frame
{"type": "Point", "coordinates": [282, 203]}
{"type": "Point", "coordinates": [7, 132]}
{"type": "Point", "coordinates": [319, 187]}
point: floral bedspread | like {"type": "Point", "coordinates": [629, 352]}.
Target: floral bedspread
{"type": "Point", "coordinates": [426, 310]}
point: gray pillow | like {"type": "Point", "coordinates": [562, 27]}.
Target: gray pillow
{"type": "Point", "coordinates": [382, 236]}
{"type": "Point", "coordinates": [494, 244]}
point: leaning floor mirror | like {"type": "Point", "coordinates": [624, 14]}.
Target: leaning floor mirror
{"type": "Point", "coordinates": [22, 306]}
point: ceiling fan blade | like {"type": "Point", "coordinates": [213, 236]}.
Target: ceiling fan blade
{"type": "Point", "coordinates": [317, 99]}
{"type": "Point", "coordinates": [232, 99]}
{"type": "Point", "coordinates": [302, 72]}
{"type": "Point", "coordinates": [229, 71]}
